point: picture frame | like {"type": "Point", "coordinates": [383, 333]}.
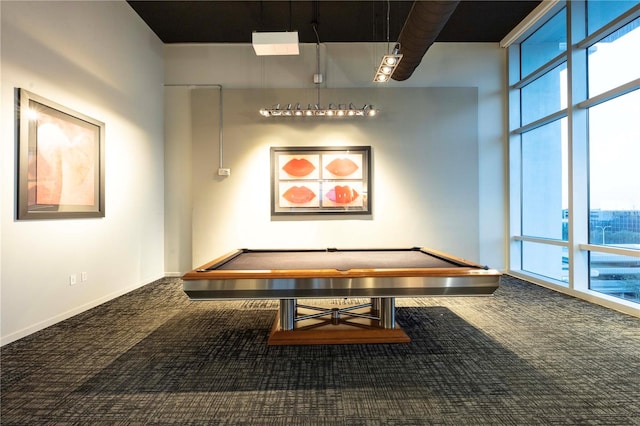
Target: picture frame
{"type": "Point", "coordinates": [61, 162]}
{"type": "Point", "coordinates": [321, 180]}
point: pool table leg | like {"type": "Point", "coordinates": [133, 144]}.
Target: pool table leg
{"type": "Point", "coordinates": [388, 312]}
{"type": "Point", "coordinates": [375, 304]}
{"type": "Point", "coordinates": [284, 332]}
{"type": "Point", "coordinates": [287, 314]}
{"type": "Point", "coordinates": [386, 307]}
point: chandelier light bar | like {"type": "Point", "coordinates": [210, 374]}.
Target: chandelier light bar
{"type": "Point", "coordinates": [388, 65]}
{"type": "Point", "coordinates": [340, 110]}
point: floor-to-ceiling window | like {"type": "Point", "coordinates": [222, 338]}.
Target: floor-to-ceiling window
{"type": "Point", "coordinates": [574, 149]}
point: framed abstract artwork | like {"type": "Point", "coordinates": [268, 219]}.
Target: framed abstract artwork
{"type": "Point", "coordinates": [60, 161]}
{"type": "Point", "coordinates": [320, 180]}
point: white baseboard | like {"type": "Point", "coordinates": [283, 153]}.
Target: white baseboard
{"type": "Point", "coordinates": [68, 314]}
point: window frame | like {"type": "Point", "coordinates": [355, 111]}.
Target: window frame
{"type": "Point", "coordinates": [578, 104]}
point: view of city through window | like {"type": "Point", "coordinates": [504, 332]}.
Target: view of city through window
{"type": "Point", "coordinates": [614, 163]}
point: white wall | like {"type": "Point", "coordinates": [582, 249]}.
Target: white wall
{"type": "Point", "coordinates": [420, 193]}
{"type": "Point", "coordinates": [100, 59]}
{"type": "Point", "coordinates": [218, 214]}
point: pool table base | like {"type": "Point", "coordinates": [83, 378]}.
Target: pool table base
{"type": "Point", "coordinates": [372, 322]}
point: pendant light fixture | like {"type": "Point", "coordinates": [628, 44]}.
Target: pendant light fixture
{"type": "Point", "coordinates": [388, 65]}
{"type": "Point", "coordinates": [315, 110]}
{"type": "Point", "coordinates": [389, 61]}
{"type": "Point", "coordinates": [339, 111]}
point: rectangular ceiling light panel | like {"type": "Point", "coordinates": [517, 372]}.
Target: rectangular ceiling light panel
{"type": "Point", "coordinates": [281, 43]}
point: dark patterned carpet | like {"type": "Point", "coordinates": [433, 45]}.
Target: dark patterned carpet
{"type": "Point", "coordinates": [525, 356]}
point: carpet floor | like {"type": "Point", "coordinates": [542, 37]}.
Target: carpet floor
{"type": "Point", "coordinates": [526, 356]}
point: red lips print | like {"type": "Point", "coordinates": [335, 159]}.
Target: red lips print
{"type": "Point", "coordinates": [342, 194]}
{"type": "Point", "coordinates": [342, 167]}
{"type": "Point", "coordinates": [298, 167]}
{"type": "Point", "coordinates": [299, 195]}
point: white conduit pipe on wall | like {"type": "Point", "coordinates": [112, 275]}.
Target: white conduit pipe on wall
{"type": "Point", "coordinates": [220, 141]}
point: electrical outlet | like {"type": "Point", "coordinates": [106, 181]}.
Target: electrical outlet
{"type": "Point", "coordinates": [83, 277]}
{"type": "Point", "coordinates": [73, 279]}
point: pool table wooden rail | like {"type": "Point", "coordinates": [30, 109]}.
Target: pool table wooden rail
{"type": "Point", "coordinates": [200, 274]}
{"type": "Point", "coordinates": [466, 268]}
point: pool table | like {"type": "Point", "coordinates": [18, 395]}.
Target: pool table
{"type": "Point", "coordinates": [379, 275]}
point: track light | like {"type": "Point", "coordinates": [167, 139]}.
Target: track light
{"type": "Point", "coordinates": [388, 65]}
{"type": "Point", "coordinates": [338, 111]}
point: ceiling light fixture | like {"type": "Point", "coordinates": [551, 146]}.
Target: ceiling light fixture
{"type": "Point", "coordinates": [317, 110]}
{"type": "Point", "coordinates": [388, 65]}
{"type": "Point", "coordinates": [340, 110]}
{"type": "Point", "coordinates": [390, 61]}
{"type": "Point", "coordinates": [274, 44]}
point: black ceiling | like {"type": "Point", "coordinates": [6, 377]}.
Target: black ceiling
{"type": "Point", "coordinates": [337, 21]}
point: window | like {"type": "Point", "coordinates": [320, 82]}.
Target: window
{"type": "Point", "coordinates": [614, 171]}
{"type": "Point", "coordinates": [601, 12]}
{"type": "Point", "coordinates": [545, 260]}
{"type": "Point", "coordinates": [545, 44]}
{"type": "Point", "coordinates": [610, 62]}
{"type": "Point", "coordinates": [575, 150]}
{"type": "Point", "coordinates": [544, 196]}
{"type": "Point", "coordinates": [615, 275]}
{"type": "Point", "coordinates": [543, 151]}
{"type": "Point", "coordinates": [544, 95]}
{"type": "Point", "coordinates": [614, 156]}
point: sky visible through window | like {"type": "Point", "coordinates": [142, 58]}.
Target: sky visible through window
{"type": "Point", "coordinates": [614, 127]}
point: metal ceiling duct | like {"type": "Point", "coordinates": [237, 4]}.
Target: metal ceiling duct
{"type": "Point", "coordinates": [424, 22]}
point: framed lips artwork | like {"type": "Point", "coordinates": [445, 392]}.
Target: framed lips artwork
{"type": "Point", "coordinates": [320, 180]}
